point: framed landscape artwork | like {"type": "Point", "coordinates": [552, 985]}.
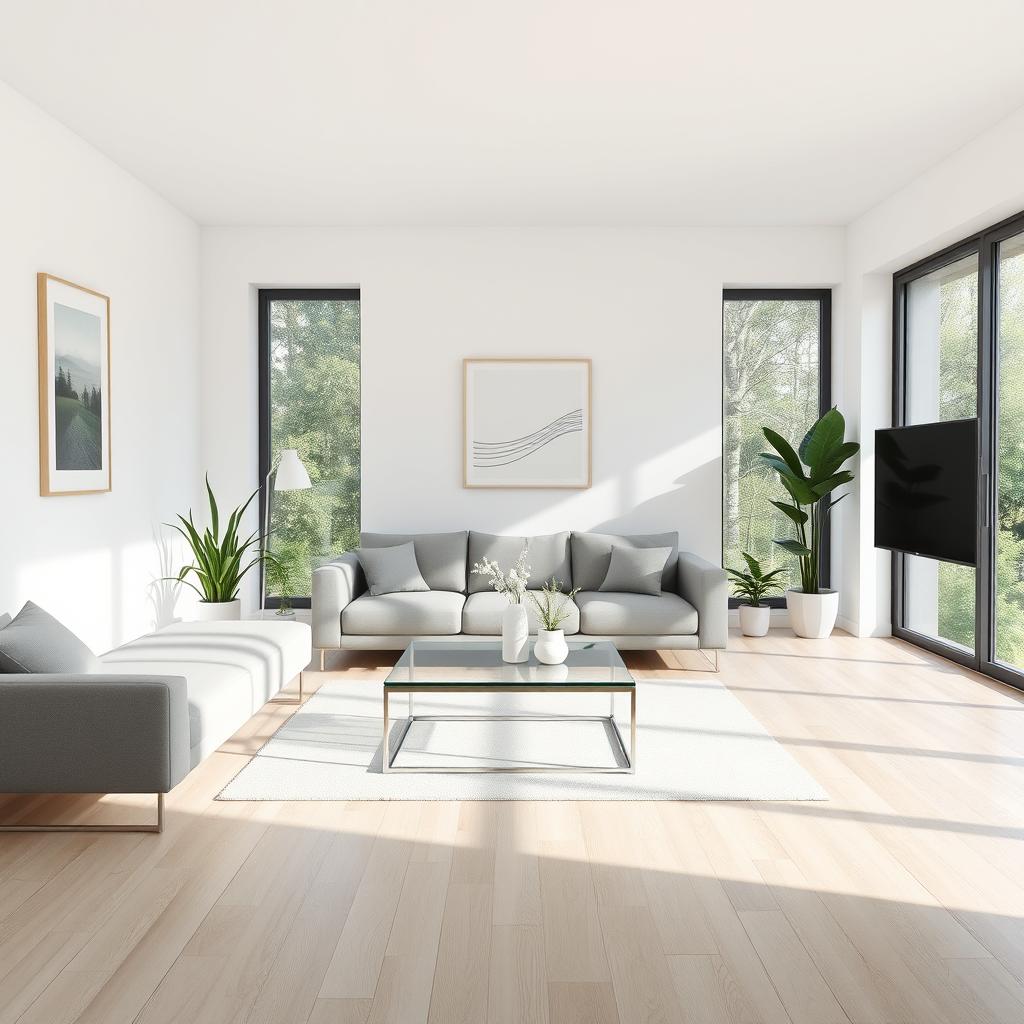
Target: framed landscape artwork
{"type": "Point", "coordinates": [74, 388]}
{"type": "Point", "coordinates": [526, 423]}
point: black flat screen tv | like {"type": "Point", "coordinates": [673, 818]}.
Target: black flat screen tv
{"type": "Point", "coordinates": [926, 490]}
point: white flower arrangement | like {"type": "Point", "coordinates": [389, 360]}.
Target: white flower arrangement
{"type": "Point", "coordinates": [513, 584]}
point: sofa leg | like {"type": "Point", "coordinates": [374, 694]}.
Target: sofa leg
{"type": "Point", "coordinates": [712, 661]}
{"type": "Point", "coordinates": [290, 700]}
{"type": "Point", "coordinates": [157, 827]}
{"type": "Point", "coordinates": [322, 655]}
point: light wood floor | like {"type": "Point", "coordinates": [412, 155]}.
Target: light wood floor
{"type": "Point", "coordinates": [899, 900]}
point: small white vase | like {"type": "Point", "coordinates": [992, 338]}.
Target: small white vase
{"type": "Point", "coordinates": [812, 615]}
{"type": "Point", "coordinates": [550, 647]}
{"type": "Point", "coordinates": [754, 621]}
{"type": "Point", "coordinates": [220, 611]}
{"type": "Point", "coordinates": [515, 634]}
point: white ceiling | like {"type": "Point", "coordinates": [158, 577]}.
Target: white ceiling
{"type": "Point", "coordinates": [520, 111]}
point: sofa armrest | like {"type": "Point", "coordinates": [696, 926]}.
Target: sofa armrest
{"type": "Point", "coordinates": [706, 587]}
{"type": "Point", "coordinates": [98, 733]}
{"type": "Point", "coordinates": [335, 585]}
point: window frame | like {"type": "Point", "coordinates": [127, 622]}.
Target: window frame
{"type": "Point", "coordinates": [265, 296]}
{"type": "Point", "coordinates": [985, 244]}
{"type": "Point", "coordinates": [823, 296]}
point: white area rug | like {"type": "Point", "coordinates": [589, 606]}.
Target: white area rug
{"type": "Point", "coordinates": [695, 741]}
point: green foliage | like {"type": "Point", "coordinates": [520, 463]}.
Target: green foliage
{"type": "Point", "coordinates": [279, 578]}
{"type": "Point", "coordinates": [552, 605]}
{"type": "Point", "coordinates": [770, 378]}
{"type": "Point", "coordinates": [755, 584]}
{"type": "Point", "coordinates": [823, 451]}
{"type": "Point", "coordinates": [314, 395]}
{"type": "Point", "coordinates": [217, 563]}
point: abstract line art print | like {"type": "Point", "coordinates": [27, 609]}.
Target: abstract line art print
{"type": "Point", "coordinates": [526, 423]}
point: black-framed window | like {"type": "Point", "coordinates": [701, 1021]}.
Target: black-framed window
{"type": "Point", "coordinates": [958, 352]}
{"type": "Point", "coordinates": [309, 400]}
{"type": "Point", "coordinates": [776, 372]}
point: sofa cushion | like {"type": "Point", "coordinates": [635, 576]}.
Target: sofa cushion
{"type": "Point", "coordinates": [482, 615]}
{"type": "Point", "coordinates": [231, 670]}
{"type": "Point", "coordinates": [547, 556]}
{"type": "Point", "coordinates": [271, 654]}
{"type": "Point", "coordinates": [34, 641]}
{"type": "Point", "coordinates": [592, 552]}
{"type": "Point", "coordinates": [4, 619]}
{"type": "Point", "coordinates": [435, 613]}
{"type": "Point", "coordinates": [635, 570]}
{"type": "Point", "coordinates": [441, 556]}
{"type": "Point", "coordinates": [604, 614]}
{"type": "Point", "coordinates": [392, 570]}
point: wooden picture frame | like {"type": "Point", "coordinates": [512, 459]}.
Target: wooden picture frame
{"type": "Point", "coordinates": [526, 423]}
{"type": "Point", "coordinates": [74, 388]}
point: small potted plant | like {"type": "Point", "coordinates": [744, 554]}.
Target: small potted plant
{"type": "Point", "coordinates": [280, 583]}
{"type": "Point", "coordinates": [752, 587]}
{"type": "Point", "coordinates": [219, 560]}
{"type": "Point", "coordinates": [553, 609]}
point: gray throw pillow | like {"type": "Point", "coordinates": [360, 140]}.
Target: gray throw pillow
{"type": "Point", "coordinates": [4, 619]}
{"type": "Point", "coordinates": [34, 641]}
{"type": "Point", "coordinates": [635, 570]}
{"type": "Point", "coordinates": [392, 570]}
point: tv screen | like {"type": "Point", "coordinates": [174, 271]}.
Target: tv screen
{"type": "Point", "coordinates": [926, 490]}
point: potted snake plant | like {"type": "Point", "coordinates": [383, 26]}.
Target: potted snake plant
{"type": "Point", "coordinates": [823, 451]}
{"type": "Point", "coordinates": [219, 560]}
{"type": "Point", "coordinates": [752, 587]}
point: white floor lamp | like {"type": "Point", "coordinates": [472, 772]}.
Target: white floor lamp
{"type": "Point", "coordinates": [290, 475]}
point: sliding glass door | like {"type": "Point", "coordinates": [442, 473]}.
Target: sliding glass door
{"type": "Point", "coordinates": [958, 347]}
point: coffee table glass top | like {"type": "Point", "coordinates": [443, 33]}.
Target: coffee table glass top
{"type": "Point", "coordinates": [428, 663]}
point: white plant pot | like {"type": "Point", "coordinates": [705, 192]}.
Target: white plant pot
{"type": "Point", "coordinates": [754, 621]}
{"type": "Point", "coordinates": [220, 611]}
{"type": "Point", "coordinates": [515, 634]}
{"type": "Point", "coordinates": [812, 615]}
{"type": "Point", "coordinates": [550, 647]}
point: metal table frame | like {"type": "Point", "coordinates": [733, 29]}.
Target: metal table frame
{"type": "Point", "coordinates": [388, 762]}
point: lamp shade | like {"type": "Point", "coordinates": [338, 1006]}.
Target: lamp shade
{"type": "Point", "coordinates": [291, 473]}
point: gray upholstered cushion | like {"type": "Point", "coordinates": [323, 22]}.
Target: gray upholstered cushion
{"type": "Point", "coordinates": [482, 615]}
{"type": "Point", "coordinates": [391, 570]}
{"type": "Point", "coordinates": [434, 613]}
{"type": "Point", "coordinates": [591, 553]}
{"type": "Point", "coordinates": [34, 641]}
{"type": "Point", "coordinates": [636, 615]}
{"type": "Point", "coordinates": [635, 570]}
{"type": "Point", "coordinates": [4, 619]}
{"type": "Point", "coordinates": [441, 556]}
{"type": "Point", "coordinates": [547, 556]}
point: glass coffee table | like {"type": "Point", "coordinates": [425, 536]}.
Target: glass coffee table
{"type": "Point", "coordinates": [439, 666]}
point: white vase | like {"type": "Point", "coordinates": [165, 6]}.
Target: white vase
{"type": "Point", "coordinates": [550, 647]}
{"type": "Point", "coordinates": [515, 634]}
{"type": "Point", "coordinates": [812, 615]}
{"type": "Point", "coordinates": [754, 621]}
{"type": "Point", "coordinates": [220, 611]}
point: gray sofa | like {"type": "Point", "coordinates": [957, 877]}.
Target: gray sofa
{"type": "Point", "coordinates": [691, 612]}
{"type": "Point", "coordinates": [160, 705]}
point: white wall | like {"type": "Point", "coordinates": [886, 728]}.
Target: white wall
{"type": "Point", "coordinates": [69, 211]}
{"type": "Point", "coordinates": [645, 305]}
{"type": "Point", "coordinates": [977, 186]}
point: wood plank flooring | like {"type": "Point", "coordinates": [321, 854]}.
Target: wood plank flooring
{"type": "Point", "coordinates": [900, 900]}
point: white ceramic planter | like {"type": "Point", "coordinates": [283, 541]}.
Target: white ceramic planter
{"type": "Point", "coordinates": [515, 634]}
{"type": "Point", "coordinates": [813, 615]}
{"type": "Point", "coordinates": [755, 621]}
{"type": "Point", "coordinates": [220, 611]}
{"type": "Point", "coordinates": [550, 646]}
